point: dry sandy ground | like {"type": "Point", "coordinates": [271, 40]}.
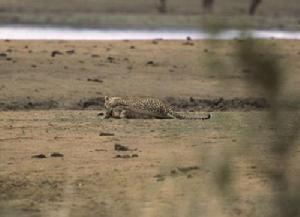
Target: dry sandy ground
{"type": "Point", "coordinates": [221, 167]}
{"type": "Point", "coordinates": [175, 171]}
{"type": "Point", "coordinates": [80, 71]}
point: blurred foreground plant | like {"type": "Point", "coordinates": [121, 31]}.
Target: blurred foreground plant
{"type": "Point", "coordinates": [208, 4]}
{"type": "Point", "coordinates": [267, 73]}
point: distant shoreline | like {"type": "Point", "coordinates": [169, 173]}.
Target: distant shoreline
{"type": "Point", "coordinates": [20, 32]}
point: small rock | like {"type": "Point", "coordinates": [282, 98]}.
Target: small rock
{"type": "Point", "coordinates": [38, 156]}
{"type": "Point", "coordinates": [173, 172]}
{"type": "Point", "coordinates": [135, 155]}
{"type": "Point", "coordinates": [95, 56]}
{"type": "Point", "coordinates": [150, 62]}
{"type": "Point", "coordinates": [54, 53]}
{"type": "Point", "coordinates": [106, 134]}
{"type": "Point", "coordinates": [56, 154]}
{"type": "Point", "coordinates": [95, 80]}
{"type": "Point", "coordinates": [119, 147]}
{"type": "Point", "coordinates": [187, 169]}
{"type": "Point", "coordinates": [110, 59]}
{"type": "Point", "coordinates": [3, 55]}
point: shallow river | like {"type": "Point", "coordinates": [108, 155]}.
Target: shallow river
{"type": "Point", "coordinates": [66, 33]}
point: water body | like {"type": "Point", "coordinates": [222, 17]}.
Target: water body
{"type": "Point", "coordinates": [17, 32]}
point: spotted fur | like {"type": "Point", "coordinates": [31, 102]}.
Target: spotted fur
{"type": "Point", "coordinates": [153, 106]}
{"type": "Point", "coordinates": [124, 112]}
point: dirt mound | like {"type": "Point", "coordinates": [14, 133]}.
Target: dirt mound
{"type": "Point", "coordinates": [28, 105]}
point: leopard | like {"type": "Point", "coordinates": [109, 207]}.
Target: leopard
{"type": "Point", "coordinates": [124, 112]}
{"type": "Point", "coordinates": [153, 107]}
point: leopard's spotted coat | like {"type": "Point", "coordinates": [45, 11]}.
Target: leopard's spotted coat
{"type": "Point", "coordinates": [153, 106]}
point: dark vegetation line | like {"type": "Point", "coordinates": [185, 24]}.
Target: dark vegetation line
{"type": "Point", "coordinates": [184, 104]}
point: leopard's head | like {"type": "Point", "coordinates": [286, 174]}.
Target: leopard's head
{"type": "Point", "coordinates": [111, 102]}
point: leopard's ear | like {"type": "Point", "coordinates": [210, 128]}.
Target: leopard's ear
{"type": "Point", "coordinates": [106, 98]}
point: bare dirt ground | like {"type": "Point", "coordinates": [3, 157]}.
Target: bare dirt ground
{"type": "Point", "coordinates": [170, 168]}
{"type": "Point", "coordinates": [62, 162]}
{"type": "Point", "coordinates": [76, 75]}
